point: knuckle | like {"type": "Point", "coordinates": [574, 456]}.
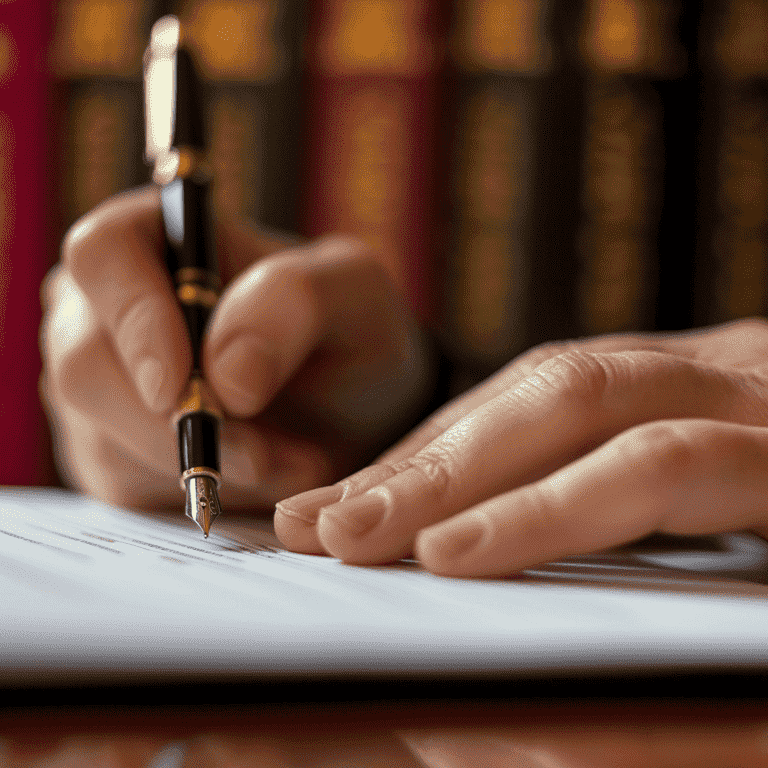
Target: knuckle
{"type": "Point", "coordinates": [75, 246]}
{"type": "Point", "coordinates": [73, 367]}
{"type": "Point", "coordinates": [282, 276]}
{"type": "Point", "coordinates": [547, 525]}
{"type": "Point", "coordinates": [50, 288]}
{"type": "Point", "coordinates": [539, 354]}
{"type": "Point", "coordinates": [435, 467]}
{"type": "Point", "coordinates": [664, 451]}
{"type": "Point", "coordinates": [573, 375]}
{"type": "Point", "coordinates": [337, 246]}
{"type": "Point", "coordinates": [754, 326]}
{"type": "Point", "coordinates": [354, 254]}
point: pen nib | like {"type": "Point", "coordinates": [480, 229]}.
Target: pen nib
{"type": "Point", "coordinates": [202, 502]}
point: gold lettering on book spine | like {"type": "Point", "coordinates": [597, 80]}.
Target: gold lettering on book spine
{"type": "Point", "coordinates": [95, 38]}
{"type": "Point", "coordinates": [501, 35]}
{"type": "Point", "coordinates": [384, 36]}
{"type": "Point", "coordinates": [488, 294]}
{"type": "Point", "coordinates": [740, 239]}
{"type": "Point", "coordinates": [615, 241]}
{"type": "Point", "coordinates": [235, 40]}
{"type": "Point", "coordinates": [98, 132]}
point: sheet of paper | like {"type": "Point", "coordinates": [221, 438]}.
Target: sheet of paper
{"type": "Point", "coordinates": [91, 589]}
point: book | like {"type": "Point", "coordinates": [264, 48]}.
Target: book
{"type": "Point", "coordinates": [373, 110]}
{"type": "Point", "coordinates": [96, 62]}
{"type": "Point", "coordinates": [622, 170]}
{"type": "Point", "coordinates": [26, 241]}
{"type": "Point", "coordinates": [499, 54]}
{"type": "Point", "coordinates": [250, 57]}
{"type": "Point", "coordinates": [677, 83]}
{"type": "Point", "coordinates": [559, 127]}
{"type": "Point", "coordinates": [738, 278]}
{"type": "Point", "coordinates": [99, 596]}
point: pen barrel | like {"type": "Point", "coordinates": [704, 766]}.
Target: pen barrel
{"type": "Point", "coordinates": [191, 254]}
{"type": "Point", "coordinates": [198, 441]}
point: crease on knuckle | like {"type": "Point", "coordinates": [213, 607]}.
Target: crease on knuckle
{"type": "Point", "coordinates": [666, 454]}
{"type": "Point", "coordinates": [573, 375]}
{"type": "Point", "coordinates": [529, 361]}
{"type": "Point", "coordinates": [280, 279]}
{"type": "Point", "coordinates": [545, 526]}
{"type": "Point", "coordinates": [337, 246]}
{"type": "Point", "coordinates": [434, 465]}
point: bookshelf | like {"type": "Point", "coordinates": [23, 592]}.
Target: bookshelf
{"type": "Point", "coordinates": [525, 169]}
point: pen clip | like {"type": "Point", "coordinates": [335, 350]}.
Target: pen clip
{"type": "Point", "coordinates": [174, 143]}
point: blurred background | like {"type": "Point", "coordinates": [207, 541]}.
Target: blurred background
{"type": "Point", "coordinates": [527, 169]}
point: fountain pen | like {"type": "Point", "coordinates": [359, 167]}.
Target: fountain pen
{"type": "Point", "coordinates": [175, 147]}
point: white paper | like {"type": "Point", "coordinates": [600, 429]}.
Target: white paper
{"type": "Point", "coordinates": [88, 588]}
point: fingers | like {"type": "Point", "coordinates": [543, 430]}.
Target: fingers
{"type": "Point", "coordinates": [682, 477]}
{"type": "Point", "coordinates": [112, 446]}
{"type": "Point", "coordinates": [325, 319]}
{"type": "Point", "coordinates": [570, 405]}
{"type": "Point", "coordinates": [114, 255]}
{"type": "Point", "coordinates": [742, 345]}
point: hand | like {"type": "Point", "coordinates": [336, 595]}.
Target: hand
{"type": "Point", "coordinates": [310, 351]}
{"type": "Point", "coordinates": [569, 449]}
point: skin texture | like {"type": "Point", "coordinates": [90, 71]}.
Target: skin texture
{"type": "Point", "coordinates": [317, 364]}
{"type": "Point", "coordinates": [311, 353]}
{"type": "Point", "coordinates": [570, 448]}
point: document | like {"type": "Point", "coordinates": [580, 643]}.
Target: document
{"type": "Point", "coordinates": [97, 592]}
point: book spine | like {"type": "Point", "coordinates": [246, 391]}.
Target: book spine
{"type": "Point", "coordinates": [678, 85]}
{"type": "Point", "coordinates": [373, 118]}
{"type": "Point", "coordinates": [623, 167]}
{"type": "Point", "coordinates": [559, 130]}
{"type": "Point", "coordinates": [739, 284]}
{"type": "Point", "coordinates": [250, 59]}
{"type": "Point", "coordinates": [25, 254]}
{"type": "Point", "coordinates": [96, 58]}
{"type": "Point", "coordinates": [499, 54]}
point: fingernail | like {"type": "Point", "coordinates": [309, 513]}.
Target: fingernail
{"type": "Point", "coordinates": [306, 506]}
{"type": "Point", "coordinates": [358, 515]}
{"type": "Point", "coordinates": [150, 376]}
{"type": "Point", "coordinates": [243, 372]}
{"type": "Point", "coordinates": [453, 541]}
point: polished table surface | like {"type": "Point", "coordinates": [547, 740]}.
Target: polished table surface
{"type": "Point", "coordinates": [527, 732]}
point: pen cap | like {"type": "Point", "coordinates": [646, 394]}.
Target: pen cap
{"type": "Point", "coordinates": [188, 130]}
{"type": "Point", "coordinates": [173, 108]}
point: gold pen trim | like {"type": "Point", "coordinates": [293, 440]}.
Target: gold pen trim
{"type": "Point", "coordinates": [198, 472]}
{"type": "Point", "coordinates": [203, 277]}
{"type": "Point", "coordinates": [196, 398]}
{"type": "Point", "coordinates": [192, 293]}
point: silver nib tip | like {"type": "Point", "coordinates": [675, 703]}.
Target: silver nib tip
{"type": "Point", "coordinates": [202, 502]}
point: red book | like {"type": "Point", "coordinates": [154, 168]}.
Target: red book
{"type": "Point", "coordinates": [374, 104]}
{"type": "Point", "coordinates": [25, 253]}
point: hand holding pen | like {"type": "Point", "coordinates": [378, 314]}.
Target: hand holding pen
{"type": "Point", "coordinates": [176, 147]}
{"type": "Point", "coordinates": [310, 355]}
{"type": "Point", "coordinates": [317, 364]}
